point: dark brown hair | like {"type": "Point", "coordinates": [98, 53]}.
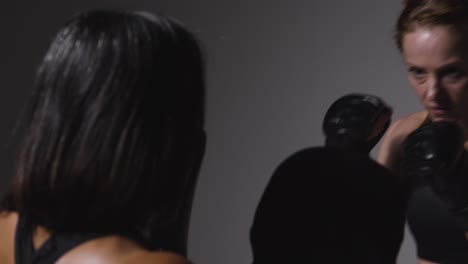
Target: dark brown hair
{"type": "Point", "coordinates": [118, 100]}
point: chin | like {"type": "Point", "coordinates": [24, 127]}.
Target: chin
{"type": "Point", "coordinates": [436, 118]}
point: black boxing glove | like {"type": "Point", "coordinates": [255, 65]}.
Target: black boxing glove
{"type": "Point", "coordinates": [357, 122]}
{"type": "Point", "coordinates": [311, 191]}
{"type": "Point", "coordinates": [434, 154]}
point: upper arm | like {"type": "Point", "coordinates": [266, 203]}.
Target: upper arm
{"type": "Point", "coordinates": [8, 223]}
{"type": "Point", "coordinates": [390, 149]}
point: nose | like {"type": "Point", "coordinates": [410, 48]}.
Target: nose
{"type": "Point", "coordinates": [433, 88]}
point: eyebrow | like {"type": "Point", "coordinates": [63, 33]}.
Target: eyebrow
{"type": "Point", "coordinates": [455, 63]}
{"type": "Point", "coordinates": [448, 67]}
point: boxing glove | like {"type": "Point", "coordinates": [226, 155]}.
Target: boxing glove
{"type": "Point", "coordinates": [324, 200]}
{"type": "Point", "coordinates": [434, 154]}
{"type": "Point", "coordinates": [356, 121]}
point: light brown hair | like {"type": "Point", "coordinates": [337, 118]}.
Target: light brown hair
{"type": "Point", "coordinates": [430, 13]}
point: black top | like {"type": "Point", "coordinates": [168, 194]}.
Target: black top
{"type": "Point", "coordinates": [54, 248]}
{"type": "Point", "coordinates": [438, 236]}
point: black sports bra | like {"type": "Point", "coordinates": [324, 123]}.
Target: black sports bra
{"type": "Point", "coordinates": [435, 230]}
{"type": "Point", "coordinates": [437, 234]}
{"type": "Point", "coordinates": [54, 248]}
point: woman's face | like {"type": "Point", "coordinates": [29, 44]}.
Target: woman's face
{"type": "Point", "coordinates": [438, 71]}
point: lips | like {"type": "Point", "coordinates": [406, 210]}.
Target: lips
{"type": "Point", "coordinates": [440, 112]}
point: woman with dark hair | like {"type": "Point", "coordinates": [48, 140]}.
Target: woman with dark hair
{"type": "Point", "coordinates": [432, 36]}
{"type": "Point", "coordinates": [113, 142]}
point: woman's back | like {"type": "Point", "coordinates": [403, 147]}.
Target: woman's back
{"type": "Point", "coordinates": [101, 250]}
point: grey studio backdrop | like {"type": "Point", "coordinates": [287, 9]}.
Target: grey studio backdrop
{"type": "Point", "coordinates": [273, 69]}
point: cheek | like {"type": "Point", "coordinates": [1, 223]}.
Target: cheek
{"type": "Point", "coordinates": [418, 89]}
{"type": "Point", "coordinates": [459, 94]}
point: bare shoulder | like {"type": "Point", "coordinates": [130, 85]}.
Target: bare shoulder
{"type": "Point", "coordinates": [8, 221]}
{"type": "Point", "coordinates": [105, 250]}
{"type": "Point", "coordinates": [405, 125]}
{"type": "Point", "coordinates": [118, 250]}
{"type": "Point", "coordinates": [163, 258]}
{"type": "Point", "coordinates": [390, 149]}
